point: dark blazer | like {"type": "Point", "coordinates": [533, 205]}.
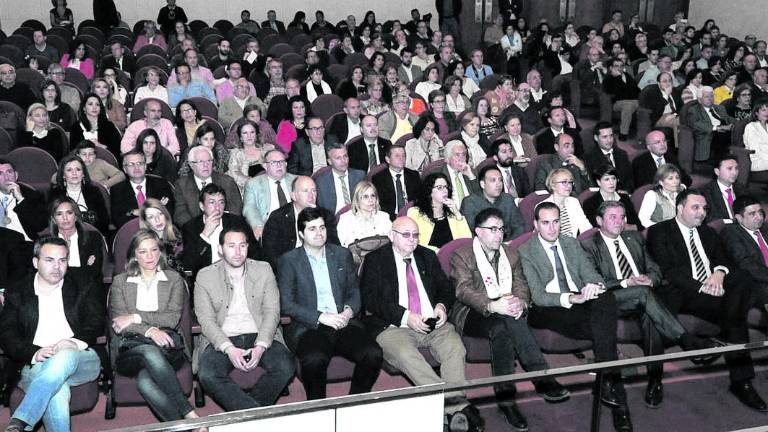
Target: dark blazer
{"type": "Point", "coordinates": [520, 177]}
{"type": "Point", "coordinates": [197, 252]}
{"type": "Point", "coordinates": [652, 99]}
{"type": "Point", "coordinates": [591, 204]}
{"type": "Point", "coordinates": [89, 244]}
{"type": "Point", "coordinates": [32, 211]}
{"type": "Point", "coordinates": [326, 189]}
{"type": "Point", "coordinates": [545, 141]}
{"type": "Point", "coordinates": [279, 24]}
{"type": "Point", "coordinates": [742, 249]}
{"type": "Point", "coordinates": [129, 63]}
{"type": "Point", "coordinates": [530, 118]}
{"type": "Point", "coordinates": [15, 257]}
{"type": "Point", "coordinates": [358, 152]}
{"type": "Point", "coordinates": [186, 197]}
{"type": "Point", "coordinates": [107, 135]}
{"type": "Point", "coordinates": [380, 289]}
{"type": "Point", "coordinates": [280, 233]}
{"type": "Point", "coordinates": [601, 257]}
{"type": "Point", "coordinates": [385, 187]}
{"type": "Point", "coordinates": [300, 159]}
{"type": "Point", "coordinates": [298, 292]}
{"type": "Point", "coordinates": [85, 313]}
{"type": "Point", "coordinates": [339, 127]}
{"type": "Point", "coordinates": [93, 199]}
{"type": "Point", "coordinates": [644, 168]}
{"type": "Point", "coordinates": [718, 209]}
{"type": "Point", "coordinates": [581, 180]}
{"type": "Point", "coordinates": [668, 248]}
{"type": "Point", "coordinates": [123, 201]}
{"type": "Point", "coordinates": [596, 159]}
{"type": "Point", "coordinates": [472, 185]}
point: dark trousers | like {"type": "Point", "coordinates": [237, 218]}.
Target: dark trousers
{"type": "Point", "coordinates": [157, 381]}
{"type": "Point", "coordinates": [316, 347]}
{"type": "Point", "coordinates": [594, 320]}
{"type": "Point", "coordinates": [508, 337]}
{"type": "Point", "coordinates": [215, 366]}
{"type": "Point", "coordinates": [729, 311]}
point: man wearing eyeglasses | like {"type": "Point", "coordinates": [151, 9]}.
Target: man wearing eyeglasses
{"type": "Point", "coordinates": [127, 196]}
{"type": "Point", "coordinates": [308, 154]}
{"type": "Point", "coordinates": [188, 87]}
{"type": "Point", "coordinates": [408, 297]}
{"type": "Point", "coordinates": [240, 96]}
{"type": "Point", "coordinates": [13, 91]}
{"type": "Point", "coordinates": [266, 193]}
{"type": "Point", "coordinates": [492, 300]}
{"type": "Point", "coordinates": [564, 157]}
{"type": "Point", "coordinates": [69, 95]}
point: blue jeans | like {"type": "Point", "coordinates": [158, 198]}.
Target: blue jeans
{"type": "Point", "coordinates": [47, 386]}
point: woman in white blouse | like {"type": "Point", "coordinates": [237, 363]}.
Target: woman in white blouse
{"type": "Point", "coordinates": [456, 102]}
{"type": "Point", "coordinates": [430, 83]}
{"type": "Point", "coordinates": [692, 89]}
{"type": "Point", "coordinates": [365, 218]}
{"type": "Point", "coordinates": [425, 146]}
{"type": "Point", "coordinates": [151, 88]}
{"type": "Point", "coordinates": [659, 203]}
{"type": "Point", "coordinates": [145, 307]}
{"type": "Point", "coordinates": [572, 219]}
{"type": "Point", "coordinates": [86, 247]}
{"type": "Point", "coordinates": [756, 137]}
{"type": "Point", "coordinates": [470, 136]}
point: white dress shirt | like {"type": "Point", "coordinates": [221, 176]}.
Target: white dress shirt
{"type": "Point", "coordinates": [143, 185]}
{"type": "Point", "coordinates": [52, 324]}
{"type": "Point", "coordinates": [609, 243]}
{"type": "Point", "coordinates": [339, 191]}
{"type": "Point", "coordinates": [146, 293]}
{"type": "Point", "coordinates": [274, 201]}
{"type": "Point", "coordinates": [724, 195]}
{"type": "Point", "coordinates": [353, 129]}
{"type": "Point", "coordinates": [426, 306]}
{"type": "Point", "coordinates": [74, 251]}
{"type": "Point", "coordinates": [685, 231]}
{"type": "Point", "coordinates": [553, 286]}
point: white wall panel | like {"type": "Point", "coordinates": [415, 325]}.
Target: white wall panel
{"type": "Point", "coordinates": [735, 18]}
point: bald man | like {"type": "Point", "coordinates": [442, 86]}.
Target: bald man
{"type": "Point", "coordinates": [644, 166]}
{"type": "Point", "coordinates": [711, 126]}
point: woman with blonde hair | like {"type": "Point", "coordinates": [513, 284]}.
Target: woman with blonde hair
{"type": "Point", "coordinates": [365, 218]}
{"type": "Point", "coordinates": [573, 221]}
{"type": "Point", "coordinates": [154, 216]}
{"type": "Point", "coordinates": [42, 134]}
{"type": "Point", "coordinates": [659, 203]}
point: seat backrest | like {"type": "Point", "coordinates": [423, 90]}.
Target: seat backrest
{"type": "Point", "coordinates": [520, 240]}
{"type": "Point", "coordinates": [586, 235]}
{"type": "Point", "coordinates": [324, 106]}
{"type": "Point", "coordinates": [341, 211]}
{"type": "Point", "coordinates": [205, 107]}
{"type": "Point", "coordinates": [121, 242]}
{"type": "Point", "coordinates": [403, 139]}
{"type": "Point", "coordinates": [431, 167]}
{"type": "Point", "coordinates": [639, 193]}
{"type": "Point", "coordinates": [527, 206]}
{"type": "Point", "coordinates": [445, 253]}
{"type": "Point", "coordinates": [737, 134]}
{"type": "Point", "coordinates": [375, 170]}
{"type": "Point", "coordinates": [321, 171]}
{"type": "Point", "coordinates": [585, 195]}
{"type": "Point", "coordinates": [34, 166]}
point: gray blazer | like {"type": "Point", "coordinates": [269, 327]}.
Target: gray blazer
{"type": "Point", "coordinates": [601, 258]}
{"type": "Point", "coordinates": [257, 198]}
{"type": "Point", "coordinates": [213, 293]}
{"type": "Point", "coordinates": [326, 189]}
{"type": "Point", "coordinates": [230, 111]}
{"type": "Point", "coordinates": [415, 71]}
{"type": "Point", "coordinates": [187, 196]}
{"type": "Point", "coordinates": [538, 270]}
{"type": "Point", "coordinates": [387, 123]}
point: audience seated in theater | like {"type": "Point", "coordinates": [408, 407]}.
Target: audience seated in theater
{"type": "Point", "coordinates": [15, 261]}
{"type": "Point", "coordinates": [740, 105]}
{"type": "Point", "coordinates": [253, 60]}
{"type": "Point", "coordinates": [523, 149]}
{"type": "Point", "coordinates": [266, 193]}
{"type": "Point", "coordinates": [127, 196]}
{"type": "Point", "coordinates": [555, 99]}
{"type": "Point", "coordinates": [458, 172]}
{"type": "Point", "coordinates": [557, 59]}
{"type": "Point", "coordinates": [539, 96]}
{"type": "Point", "coordinates": [86, 247]}
{"type": "Point", "coordinates": [622, 89]}
{"type": "Point", "coordinates": [458, 89]}
{"type": "Point", "coordinates": [231, 108]}
{"type": "Point", "coordinates": [368, 152]}
{"type": "Point", "coordinates": [119, 61]}
{"type": "Point", "coordinates": [663, 100]}
{"type": "Point", "coordinates": [158, 161]}
{"type": "Point", "coordinates": [292, 128]}
{"type": "Point", "coordinates": [365, 218]}
{"type": "Point", "coordinates": [187, 87]}
{"type": "Point", "coordinates": [197, 74]}
{"type": "Point", "coordinates": [426, 146]}
{"type": "Point", "coordinates": [722, 191]}
{"type": "Point", "coordinates": [431, 82]}
{"type": "Point", "coordinates": [405, 292]}
{"type": "Point", "coordinates": [119, 93]}
{"type": "Point", "coordinates": [477, 70]}
{"type": "Point", "coordinates": [606, 179]}
{"type": "Point", "coordinates": [756, 137]}
{"type": "Point", "coordinates": [489, 125]}
{"type": "Point", "coordinates": [492, 195]}
{"type": "Point", "coordinates": [273, 23]}
{"type": "Point", "coordinates": [546, 138]}
{"type": "Point", "coordinates": [759, 83]}
{"type": "Point", "coordinates": [187, 120]}
{"type": "Point", "coordinates": [237, 303]}
{"type": "Point", "coordinates": [492, 298]}
{"type": "Point", "coordinates": [397, 184]}
{"type": "Point", "coordinates": [280, 233]}
{"type": "Point", "coordinates": [251, 113]}
{"type": "Point", "coordinates": [24, 208]}
{"type": "Point", "coordinates": [408, 72]}
{"type": "Point", "coordinates": [58, 112]}
{"type": "Point", "coordinates": [112, 107]}
{"type": "Point", "coordinates": [77, 58]}
{"type": "Point", "coordinates": [41, 133]}
{"type": "Point", "coordinates": [223, 56]}
{"type": "Point", "coordinates": [524, 110]}
{"type": "Point", "coordinates": [693, 86]}
{"type": "Point", "coordinates": [725, 90]}
{"type": "Point", "coordinates": [711, 127]}
{"type": "Point", "coordinates": [187, 189]}
{"type": "Point", "coordinates": [346, 127]}
{"type": "Point", "coordinates": [269, 83]}
{"type": "Point", "coordinates": [446, 120]}
{"type": "Point", "coordinates": [659, 203]}
{"type": "Point", "coordinates": [354, 85]}
{"type": "Point", "coordinates": [39, 47]}
{"type": "Point", "coordinates": [51, 338]}
{"type": "Point", "coordinates": [201, 234]}
{"type": "Point", "coordinates": [477, 146]}
{"type": "Point", "coordinates": [154, 216]}
{"type": "Point", "coordinates": [744, 243]}
{"type": "Point", "coordinates": [73, 181]}
{"type": "Point", "coordinates": [564, 157]}
{"type": "Point", "coordinates": [227, 87]}
{"type": "Point", "coordinates": [335, 186]}
{"type": "Point", "coordinates": [436, 214]}
{"type": "Point", "coordinates": [153, 119]}
{"type": "Point", "coordinates": [379, 97]}
{"type": "Point", "coordinates": [308, 153]}
{"type": "Point", "coordinates": [245, 161]}
{"type": "Point", "coordinates": [716, 290]}
{"type": "Point", "coordinates": [644, 166]}
{"type": "Point", "coordinates": [316, 86]}
{"type": "Point", "coordinates": [93, 126]}
{"type": "Point", "coordinates": [320, 292]}
{"type": "Point", "coordinates": [573, 221]}
{"type": "Point", "coordinates": [151, 87]}
{"type": "Point", "coordinates": [606, 152]}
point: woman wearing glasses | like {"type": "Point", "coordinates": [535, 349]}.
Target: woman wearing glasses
{"type": "Point", "coordinates": [436, 214]}
{"type": "Point", "coordinates": [365, 218]}
{"type": "Point", "coordinates": [572, 219]}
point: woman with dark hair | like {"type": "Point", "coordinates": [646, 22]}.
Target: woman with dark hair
{"type": "Point", "coordinates": [756, 137]}
{"type": "Point", "coordinates": [363, 37]}
{"type": "Point", "coordinates": [369, 19]}
{"type": "Point", "coordinates": [456, 101]}
{"type": "Point", "coordinates": [299, 22]}
{"type": "Point", "coordinates": [489, 124]}
{"type": "Point", "coordinates": [740, 104]}
{"type": "Point", "coordinates": [73, 181]}
{"type": "Point", "coordinates": [714, 73]}
{"type": "Point", "coordinates": [59, 113]}
{"type": "Point", "coordinates": [316, 85]}
{"type": "Point", "coordinates": [86, 247]}
{"type": "Point", "coordinates": [477, 147]}
{"type": "Point", "coordinates": [376, 63]}
{"type": "Point", "coordinates": [390, 77]}
{"type": "Point", "coordinates": [345, 48]}
{"type": "Point", "coordinates": [606, 179]}
{"type": "Point", "coordinates": [188, 119]}
{"type": "Point", "coordinates": [119, 93]}
{"type": "Point", "coordinates": [354, 85]}
{"type": "Point", "coordinates": [41, 134]}
{"type": "Point", "coordinates": [251, 112]}
{"type": "Point", "coordinates": [457, 69]}
{"type": "Point", "coordinates": [77, 58]}
{"type": "Point", "coordinates": [445, 119]}
{"type": "Point", "coordinates": [292, 127]}
{"type": "Point", "coordinates": [61, 15]}
{"type": "Point", "coordinates": [426, 146]}
{"type": "Point", "coordinates": [93, 125]}
{"type": "Point", "coordinates": [154, 216]}
{"type": "Point", "coordinates": [692, 87]}
{"type": "Point", "coordinates": [721, 47]}
{"type": "Point", "coordinates": [724, 91]}
{"type": "Point", "coordinates": [522, 27]}
{"type": "Point", "coordinates": [159, 162]}
{"type": "Point", "coordinates": [708, 24]}
{"type": "Point", "coordinates": [205, 136]}
{"type": "Point", "coordinates": [436, 214]}
{"type": "Point", "coordinates": [151, 347]}
{"type": "Point", "coordinates": [246, 160]}
{"type": "Point", "coordinates": [523, 149]}
{"type": "Point", "coordinates": [114, 109]}
{"type": "Point", "coordinates": [179, 32]}
{"type": "Point", "coordinates": [659, 203]}
{"type": "Point", "coordinates": [735, 56]}
{"type": "Point", "coordinates": [429, 83]}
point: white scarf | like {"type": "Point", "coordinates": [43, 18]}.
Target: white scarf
{"type": "Point", "coordinates": [312, 94]}
{"type": "Point", "coordinates": [493, 286]}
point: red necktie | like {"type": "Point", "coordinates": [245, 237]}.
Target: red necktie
{"type": "Point", "coordinates": [414, 303]}
{"type": "Point", "coordinates": [763, 247]}
{"type": "Point", "coordinates": [140, 198]}
{"type": "Point", "coordinates": [729, 198]}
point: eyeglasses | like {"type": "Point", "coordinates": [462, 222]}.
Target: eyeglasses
{"type": "Point", "coordinates": [204, 162]}
{"type": "Point", "coordinates": [133, 164]}
{"type": "Point", "coordinates": [565, 182]}
{"type": "Point", "coordinates": [440, 187]}
{"type": "Point", "coordinates": [493, 229]}
{"type": "Point", "coordinates": [318, 128]}
{"type": "Point", "coordinates": [276, 163]}
{"type": "Point", "coordinates": [408, 235]}
{"type": "Point", "coordinates": [11, 73]}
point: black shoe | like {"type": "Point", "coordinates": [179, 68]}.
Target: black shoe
{"type": "Point", "coordinates": [476, 422]}
{"type": "Point", "coordinates": [621, 420]}
{"type": "Point", "coordinates": [702, 343]}
{"type": "Point", "coordinates": [514, 417]}
{"type": "Point", "coordinates": [748, 395]}
{"type": "Point", "coordinates": [612, 393]}
{"type": "Point", "coordinates": [654, 393]}
{"type": "Point", "coordinates": [551, 390]}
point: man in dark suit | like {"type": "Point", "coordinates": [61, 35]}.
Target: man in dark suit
{"type": "Point", "coordinates": [570, 297]}
{"type": "Point", "coordinates": [22, 208]}
{"type": "Point", "coordinates": [711, 127]}
{"type": "Point", "coordinates": [408, 297]}
{"type": "Point", "coordinates": [721, 192]}
{"type": "Point", "coordinates": [458, 171]}
{"type": "Point", "coordinates": [49, 321]}
{"type": "Point", "coordinates": [704, 282]}
{"type": "Point", "coordinates": [273, 23]}
{"type": "Point", "coordinates": [369, 151]}
{"type": "Point", "coordinates": [125, 196]}
{"type": "Point", "coordinates": [280, 233]}
{"type": "Point", "coordinates": [397, 184]}
{"type": "Point", "coordinates": [319, 291]}
{"type": "Point", "coordinates": [308, 154]}
{"type": "Point", "coordinates": [590, 73]}
{"type": "Point", "coordinates": [631, 274]}
{"type": "Point", "coordinates": [186, 195]}
{"type": "Point", "coordinates": [347, 127]}
{"type": "Point", "coordinates": [545, 139]}
{"type": "Point", "coordinates": [644, 166]}
{"type": "Point", "coordinates": [336, 187]}
{"type": "Point", "coordinates": [746, 244]}
{"type": "Point", "coordinates": [15, 259]}
{"type": "Point", "coordinates": [201, 234]}
{"type": "Point", "coordinates": [608, 153]}
{"type": "Point", "coordinates": [515, 178]}
{"type": "Point", "coordinates": [563, 158]}
{"type": "Point", "coordinates": [119, 60]}
{"type": "Point", "coordinates": [279, 107]}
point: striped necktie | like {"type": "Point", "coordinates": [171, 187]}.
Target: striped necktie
{"type": "Point", "coordinates": [626, 269]}
{"type": "Point", "coordinates": [565, 222]}
{"type": "Point", "coordinates": [701, 272]}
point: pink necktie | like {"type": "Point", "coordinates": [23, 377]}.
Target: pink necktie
{"type": "Point", "coordinates": [140, 198]}
{"type": "Point", "coordinates": [729, 198]}
{"type": "Point", "coordinates": [414, 303]}
{"type": "Point", "coordinates": [763, 247]}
